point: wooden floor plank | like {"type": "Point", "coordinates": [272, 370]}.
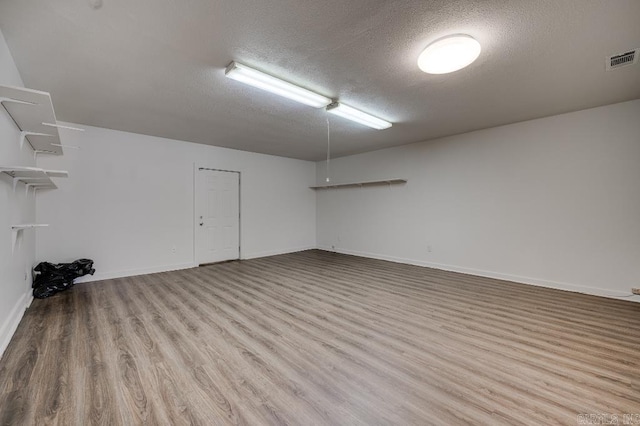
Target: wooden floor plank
{"type": "Point", "coordinates": [317, 338]}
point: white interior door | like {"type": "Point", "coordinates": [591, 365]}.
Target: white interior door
{"type": "Point", "coordinates": [217, 209]}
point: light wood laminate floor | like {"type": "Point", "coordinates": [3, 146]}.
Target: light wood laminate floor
{"type": "Point", "coordinates": [319, 338]}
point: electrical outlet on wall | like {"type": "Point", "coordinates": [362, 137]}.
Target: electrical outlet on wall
{"type": "Point", "coordinates": [429, 248]}
{"type": "Point", "coordinates": [173, 249]}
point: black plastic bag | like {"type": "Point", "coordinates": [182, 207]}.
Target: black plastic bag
{"type": "Point", "coordinates": [52, 278]}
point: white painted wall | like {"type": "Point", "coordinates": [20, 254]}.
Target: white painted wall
{"type": "Point", "coordinates": [552, 202]}
{"type": "Point", "coordinates": [15, 207]}
{"type": "Point", "coordinates": [129, 201]}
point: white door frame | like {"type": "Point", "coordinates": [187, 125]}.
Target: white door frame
{"type": "Point", "coordinates": [196, 169]}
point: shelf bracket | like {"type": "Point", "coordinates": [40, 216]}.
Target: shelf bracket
{"type": "Point", "coordinates": [16, 232]}
{"type": "Point", "coordinates": [14, 238]}
{"type": "Point", "coordinates": [34, 185]}
{"type": "Point", "coordinates": [24, 134]}
{"type": "Point", "coordinates": [20, 178]}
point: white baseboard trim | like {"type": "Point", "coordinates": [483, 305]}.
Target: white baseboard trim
{"type": "Point", "coordinates": [99, 276]}
{"type": "Point", "coordinates": [13, 320]}
{"type": "Point", "coordinates": [275, 252]}
{"type": "Point", "coordinates": [613, 294]}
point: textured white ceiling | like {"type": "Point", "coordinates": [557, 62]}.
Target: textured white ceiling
{"type": "Point", "coordinates": [157, 66]}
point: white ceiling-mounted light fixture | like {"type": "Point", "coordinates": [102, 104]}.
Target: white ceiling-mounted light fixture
{"type": "Point", "coordinates": [275, 85]}
{"type": "Point", "coordinates": [358, 116]}
{"type": "Point", "coordinates": [449, 54]}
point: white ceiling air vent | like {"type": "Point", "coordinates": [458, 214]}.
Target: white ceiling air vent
{"type": "Point", "coordinates": [622, 59]}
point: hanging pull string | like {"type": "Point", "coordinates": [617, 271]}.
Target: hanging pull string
{"type": "Point", "coordinates": [328, 149]}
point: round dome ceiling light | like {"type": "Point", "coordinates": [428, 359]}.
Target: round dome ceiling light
{"type": "Point", "coordinates": [449, 54]}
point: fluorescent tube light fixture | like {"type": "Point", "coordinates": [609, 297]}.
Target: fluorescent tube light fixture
{"type": "Point", "coordinates": [358, 116]}
{"type": "Point", "coordinates": [274, 85]}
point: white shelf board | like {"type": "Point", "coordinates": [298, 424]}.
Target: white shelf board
{"type": "Point", "coordinates": [57, 173]}
{"type": "Point", "coordinates": [20, 171]}
{"type": "Point", "coordinates": [394, 181]}
{"type": "Point", "coordinates": [28, 226]}
{"type": "Point", "coordinates": [33, 177]}
{"type": "Point", "coordinates": [32, 108]}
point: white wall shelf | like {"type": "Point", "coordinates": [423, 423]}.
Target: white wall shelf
{"type": "Point", "coordinates": [57, 173]}
{"type": "Point", "coordinates": [395, 181]}
{"type": "Point", "coordinates": [16, 231]}
{"type": "Point", "coordinates": [33, 177]}
{"type": "Point", "coordinates": [28, 226]}
{"type": "Point", "coordinates": [32, 111]}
